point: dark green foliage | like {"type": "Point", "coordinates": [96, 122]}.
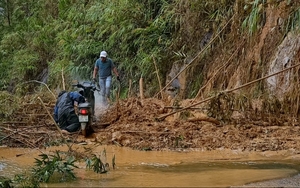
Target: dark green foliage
{"type": "Point", "coordinates": [69, 35]}
{"type": "Point", "coordinates": [254, 19]}
{"type": "Point", "coordinates": [57, 167]}
{"type": "Point", "coordinates": [96, 164]}
{"type": "Point", "coordinates": [5, 182]}
{"type": "Point", "coordinates": [293, 22]}
{"type": "Point", "coordinates": [48, 165]}
{"type": "Point", "coordinates": [49, 168]}
{"type": "Point", "coordinates": [25, 180]}
{"type": "Point", "coordinates": [45, 40]}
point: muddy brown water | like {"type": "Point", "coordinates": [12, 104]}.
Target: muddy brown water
{"type": "Point", "coordinates": [193, 168]}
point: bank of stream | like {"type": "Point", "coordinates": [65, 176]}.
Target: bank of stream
{"type": "Point", "coordinates": [189, 168]}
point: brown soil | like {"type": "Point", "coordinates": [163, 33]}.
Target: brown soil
{"type": "Point", "coordinates": [137, 127]}
{"type": "Point", "coordinates": [134, 123]}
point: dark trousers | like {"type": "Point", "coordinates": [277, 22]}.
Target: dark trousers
{"type": "Point", "coordinates": [69, 121]}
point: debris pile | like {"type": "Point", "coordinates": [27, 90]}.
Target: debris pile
{"type": "Point", "coordinates": [29, 125]}
{"type": "Point", "coordinates": [133, 123]}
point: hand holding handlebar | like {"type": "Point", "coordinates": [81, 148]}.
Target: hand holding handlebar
{"type": "Point", "coordinates": [94, 80]}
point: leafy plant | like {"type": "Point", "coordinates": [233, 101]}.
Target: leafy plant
{"type": "Point", "coordinates": [49, 168]}
{"type": "Point", "coordinates": [293, 21]}
{"type": "Point", "coordinates": [254, 18]}
{"type": "Point", "coordinates": [51, 164]}
{"type": "Point", "coordinates": [96, 164]}
{"type": "Point", "coordinates": [178, 141]}
{"type": "Point", "coordinates": [5, 182]}
{"type": "Point", "coordinates": [25, 180]}
{"type": "Point", "coordinates": [55, 167]}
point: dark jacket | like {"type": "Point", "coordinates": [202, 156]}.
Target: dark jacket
{"type": "Point", "coordinates": [65, 103]}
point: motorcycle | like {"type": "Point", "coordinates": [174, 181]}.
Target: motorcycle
{"type": "Point", "coordinates": [86, 110]}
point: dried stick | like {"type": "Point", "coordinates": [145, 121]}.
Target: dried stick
{"type": "Point", "coordinates": [208, 119]}
{"type": "Point", "coordinates": [8, 135]}
{"type": "Point", "coordinates": [118, 98]}
{"type": "Point", "coordinates": [14, 132]}
{"type": "Point", "coordinates": [129, 89]}
{"type": "Point", "coordinates": [51, 117]}
{"type": "Point", "coordinates": [141, 90]}
{"type": "Point", "coordinates": [158, 78]}
{"type": "Point", "coordinates": [43, 84]}
{"type": "Point", "coordinates": [63, 79]}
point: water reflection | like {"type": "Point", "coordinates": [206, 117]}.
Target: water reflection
{"type": "Point", "coordinates": [9, 170]}
{"type": "Point", "coordinates": [165, 169]}
{"type": "Point", "coordinates": [204, 174]}
{"type": "Point", "coordinates": [2, 165]}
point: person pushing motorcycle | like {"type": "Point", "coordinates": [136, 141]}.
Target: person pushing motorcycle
{"type": "Point", "coordinates": [64, 112]}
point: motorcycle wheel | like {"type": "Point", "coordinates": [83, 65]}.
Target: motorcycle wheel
{"type": "Point", "coordinates": [83, 129]}
{"type": "Point", "coordinates": [83, 132]}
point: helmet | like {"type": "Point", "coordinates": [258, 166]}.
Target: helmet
{"type": "Point", "coordinates": [103, 54]}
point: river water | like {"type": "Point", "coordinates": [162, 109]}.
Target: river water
{"type": "Point", "coordinates": [221, 168]}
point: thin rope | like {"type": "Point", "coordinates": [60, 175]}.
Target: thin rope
{"type": "Point", "coordinates": [194, 58]}
{"type": "Point", "coordinates": [226, 91]}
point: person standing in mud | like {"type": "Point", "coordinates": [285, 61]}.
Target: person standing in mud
{"type": "Point", "coordinates": [104, 67]}
{"type": "Point", "coordinates": [64, 112]}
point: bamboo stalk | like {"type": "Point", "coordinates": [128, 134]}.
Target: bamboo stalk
{"type": "Point", "coordinates": [24, 135]}
{"type": "Point", "coordinates": [180, 107]}
{"type": "Point", "coordinates": [38, 140]}
{"type": "Point", "coordinates": [208, 119]}
{"type": "Point", "coordinates": [158, 78]}
{"type": "Point", "coordinates": [8, 135]}
{"type": "Point", "coordinates": [117, 143]}
{"type": "Point", "coordinates": [14, 122]}
{"type": "Point", "coordinates": [43, 84]}
{"type": "Point", "coordinates": [146, 132]}
{"type": "Point", "coordinates": [141, 88]}
{"type": "Point", "coordinates": [226, 91]}
{"type": "Point", "coordinates": [129, 89]}
{"type": "Point", "coordinates": [117, 98]}
{"type": "Point", "coordinates": [63, 79]}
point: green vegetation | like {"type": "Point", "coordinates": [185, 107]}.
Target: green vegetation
{"type": "Point", "coordinates": [48, 165]}
{"type": "Point", "coordinates": [6, 99]}
{"type": "Point", "coordinates": [56, 167]}
{"type": "Point", "coordinates": [51, 40]}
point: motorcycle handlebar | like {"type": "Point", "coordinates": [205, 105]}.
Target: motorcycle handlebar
{"type": "Point", "coordinates": [84, 87]}
{"type": "Point", "coordinates": [78, 85]}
